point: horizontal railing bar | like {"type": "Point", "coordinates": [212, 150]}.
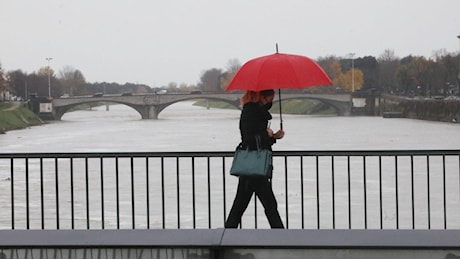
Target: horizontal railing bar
{"type": "Point", "coordinates": [230, 153]}
{"type": "Point", "coordinates": [233, 238]}
{"type": "Point", "coordinates": [366, 152]}
{"type": "Point", "coordinates": [116, 154]}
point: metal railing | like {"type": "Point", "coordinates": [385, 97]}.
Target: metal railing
{"type": "Point", "coordinates": [411, 189]}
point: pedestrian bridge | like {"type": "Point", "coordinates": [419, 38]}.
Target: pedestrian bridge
{"type": "Point", "coordinates": [150, 105]}
{"type": "Point", "coordinates": [335, 204]}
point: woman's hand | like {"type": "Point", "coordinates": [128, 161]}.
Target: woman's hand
{"type": "Point", "coordinates": [279, 134]}
{"type": "Point", "coordinates": [270, 132]}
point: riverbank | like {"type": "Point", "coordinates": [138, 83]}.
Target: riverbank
{"type": "Point", "coordinates": [15, 115]}
{"type": "Point", "coordinates": [424, 109]}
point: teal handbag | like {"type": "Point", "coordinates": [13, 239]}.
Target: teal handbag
{"type": "Point", "coordinates": [252, 162]}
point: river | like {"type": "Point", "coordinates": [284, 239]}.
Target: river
{"type": "Point", "coordinates": [184, 127]}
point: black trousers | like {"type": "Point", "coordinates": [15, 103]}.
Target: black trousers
{"type": "Point", "coordinates": [247, 186]}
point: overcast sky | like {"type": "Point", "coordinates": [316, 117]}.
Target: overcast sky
{"type": "Point", "coordinates": [156, 42]}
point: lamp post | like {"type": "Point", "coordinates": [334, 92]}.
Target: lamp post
{"type": "Point", "coordinates": [49, 77]}
{"type": "Point", "coordinates": [352, 55]}
{"type": "Point", "coordinates": [458, 76]}
{"type": "Point", "coordinates": [25, 90]}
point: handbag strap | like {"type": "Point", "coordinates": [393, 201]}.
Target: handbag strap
{"type": "Point", "coordinates": [258, 143]}
{"type": "Point", "coordinates": [239, 146]}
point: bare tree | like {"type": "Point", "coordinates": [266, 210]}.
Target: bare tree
{"type": "Point", "coordinates": [233, 65]}
{"type": "Point", "coordinates": [72, 80]}
{"type": "Point", "coordinates": [388, 65]}
{"type": "Point", "coordinates": [2, 84]}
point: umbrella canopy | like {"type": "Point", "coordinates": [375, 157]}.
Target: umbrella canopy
{"type": "Point", "coordinates": [279, 71]}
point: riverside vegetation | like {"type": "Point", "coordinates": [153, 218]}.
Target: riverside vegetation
{"type": "Point", "coordinates": [16, 115]}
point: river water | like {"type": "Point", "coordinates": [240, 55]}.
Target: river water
{"type": "Point", "coordinates": [185, 127]}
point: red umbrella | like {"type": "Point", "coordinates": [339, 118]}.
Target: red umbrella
{"type": "Point", "coordinates": [279, 71]}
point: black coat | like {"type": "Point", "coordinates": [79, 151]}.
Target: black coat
{"type": "Point", "coordinates": [253, 122]}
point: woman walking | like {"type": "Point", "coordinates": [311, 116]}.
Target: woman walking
{"type": "Point", "coordinates": [254, 125]}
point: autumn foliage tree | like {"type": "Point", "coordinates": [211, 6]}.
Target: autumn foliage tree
{"type": "Point", "coordinates": [350, 81]}
{"type": "Point", "coordinates": [342, 80]}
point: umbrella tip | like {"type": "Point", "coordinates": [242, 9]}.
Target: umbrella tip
{"type": "Point", "coordinates": [276, 47]}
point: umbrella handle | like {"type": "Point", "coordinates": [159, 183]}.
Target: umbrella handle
{"type": "Point", "coordinates": [281, 114]}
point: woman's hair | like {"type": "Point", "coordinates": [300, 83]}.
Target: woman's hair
{"type": "Point", "coordinates": [254, 96]}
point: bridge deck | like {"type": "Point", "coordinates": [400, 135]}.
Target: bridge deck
{"type": "Point", "coordinates": [233, 243]}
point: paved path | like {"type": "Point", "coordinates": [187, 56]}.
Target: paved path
{"type": "Point", "coordinates": [15, 105]}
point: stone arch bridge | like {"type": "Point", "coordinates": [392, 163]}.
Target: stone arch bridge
{"type": "Point", "coordinates": [150, 105]}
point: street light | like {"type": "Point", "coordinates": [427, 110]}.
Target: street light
{"type": "Point", "coordinates": [458, 76]}
{"type": "Point", "coordinates": [25, 90]}
{"type": "Point", "coordinates": [49, 77]}
{"type": "Point", "coordinates": [352, 55]}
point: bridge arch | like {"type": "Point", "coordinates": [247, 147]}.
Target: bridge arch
{"type": "Point", "coordinates": [165, 105]}
{"type": "Point", "coordinates": [58, 112]}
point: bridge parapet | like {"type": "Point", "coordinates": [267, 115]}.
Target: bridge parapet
{"type": "Point", "coordinates": [229, 243]}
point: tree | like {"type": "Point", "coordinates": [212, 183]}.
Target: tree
{"type": "Point", "coordinates": [331, 65]}
{"type": "Point", "coordinates": [41, 85]}
{"type": "Point", "coordinates": [334, 68]}
{"type": "Point", "coordinates": [422, 73]}
{"type": "Point", "coordinates": [3, 86]}
{"type": "Point", "coordinates": [352, 79]}
{"type": "Point", "coordinates": [232, 67]}
{"type": "Point", "coordinates": [211, 81]}
{"type": "Point", "coordinates": [72, 81]}
{"type": "Point", "coordinates": [18, 83]}
{"type": "Point", "coordinates": [387, 67]}
{"type": "Point", "coordinates": [403, 76]}
{"type": "Point", "coordinates": [38, 83]}
{"type": "Point", "coordinates": [141, 89]}
{"type": "Point", "coordinates": [172, 86]}
{"type": "Point", "coordinates": [369, 67]}
{"type": "Point", "coordinates": [446, 72]}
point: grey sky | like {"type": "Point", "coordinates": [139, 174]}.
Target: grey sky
{"type": "Point", "coordinates": [156, 42]}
